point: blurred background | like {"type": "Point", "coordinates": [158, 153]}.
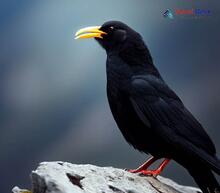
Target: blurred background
{"type": "Point", "coordinates": [53, 103]}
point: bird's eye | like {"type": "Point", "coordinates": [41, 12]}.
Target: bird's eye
{"type": "Point", "coordinates": [111, 27]}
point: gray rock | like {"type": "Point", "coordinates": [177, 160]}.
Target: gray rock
{"type": "Point", "coordinates": [62, 177]}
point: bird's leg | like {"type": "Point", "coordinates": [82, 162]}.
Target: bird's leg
{"type": "Point", "coordinates": [144, 166]}
{"type": "Point", "coordinates": [156, 172]}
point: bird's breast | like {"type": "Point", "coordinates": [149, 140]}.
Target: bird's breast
{"type": "Point", "coordinates": [132, 128]}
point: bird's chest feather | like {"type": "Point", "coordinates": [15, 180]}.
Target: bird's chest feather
{"type": "Point", "coordinates": [133, 129]}
{"type": "Point", "coordinates": [118, 81]}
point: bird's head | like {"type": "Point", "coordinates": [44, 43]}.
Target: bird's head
{"type": "Point", "coordinates": [117, 37]}
{"type": "Point", "coordinates": [112, 35]}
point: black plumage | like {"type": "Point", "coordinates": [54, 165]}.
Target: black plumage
{"type": "Point", "coordinates": [151, 117]}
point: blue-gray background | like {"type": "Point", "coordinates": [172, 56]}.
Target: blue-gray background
{"type": "Point", "coordinates": [53, 102]}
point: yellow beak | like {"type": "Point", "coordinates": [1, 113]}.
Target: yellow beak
{"type": "Point", "coordinates": [89, 32]}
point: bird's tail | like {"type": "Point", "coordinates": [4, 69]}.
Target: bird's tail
{"type": "Point", "coordinates": [205, 180]}
{"type": "Point", "coordinates": [214, 162]}
{"type": "Point", "coordinates": [210, 161]}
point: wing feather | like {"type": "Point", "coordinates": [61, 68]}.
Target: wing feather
{"type": "Point", "coordinates": [156, 104]}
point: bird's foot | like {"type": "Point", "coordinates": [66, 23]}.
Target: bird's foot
{"type": "Point", "coordinates": [156, 172]}
{"type": "Point", "coordinates": [144, 166]}
{"type": "Point", "coordinates": [153, 173]}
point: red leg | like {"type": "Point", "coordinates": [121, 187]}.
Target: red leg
{"type": "Point", "coordinates": [158, 170]}
{"type": "Point", "coordinates": [144, 166]}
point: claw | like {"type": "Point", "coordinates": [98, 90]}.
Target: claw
{"type": "Point", "coordinates": [132, 171]}
{"type": "Point", "coordinates": [144, 166]}
{"type": "Point", "coordinates": [156, 172]}
{"type": "Point", "coordinates": [143, 169]}
{"type": "Point", "coordinates": [153, 173]}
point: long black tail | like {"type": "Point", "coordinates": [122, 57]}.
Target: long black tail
{"type": "Point", "coordinates": [205, 179]}
{"type": "Point", "coordinates": [211, 161]}
{"type": "Point", "coordinates": [214, 163]}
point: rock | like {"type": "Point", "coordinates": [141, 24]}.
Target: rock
{"type": "Point", "coordinates": [62, 177]}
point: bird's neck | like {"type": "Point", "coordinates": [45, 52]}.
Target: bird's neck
{"type": "Point", "coordinates": [137, 57]}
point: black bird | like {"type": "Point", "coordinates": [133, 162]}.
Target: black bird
{"type": "Point", "coordinates": [151, 117]}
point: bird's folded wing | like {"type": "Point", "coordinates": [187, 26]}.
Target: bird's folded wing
{"type": "Point", "coordinates": [155, 103]}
